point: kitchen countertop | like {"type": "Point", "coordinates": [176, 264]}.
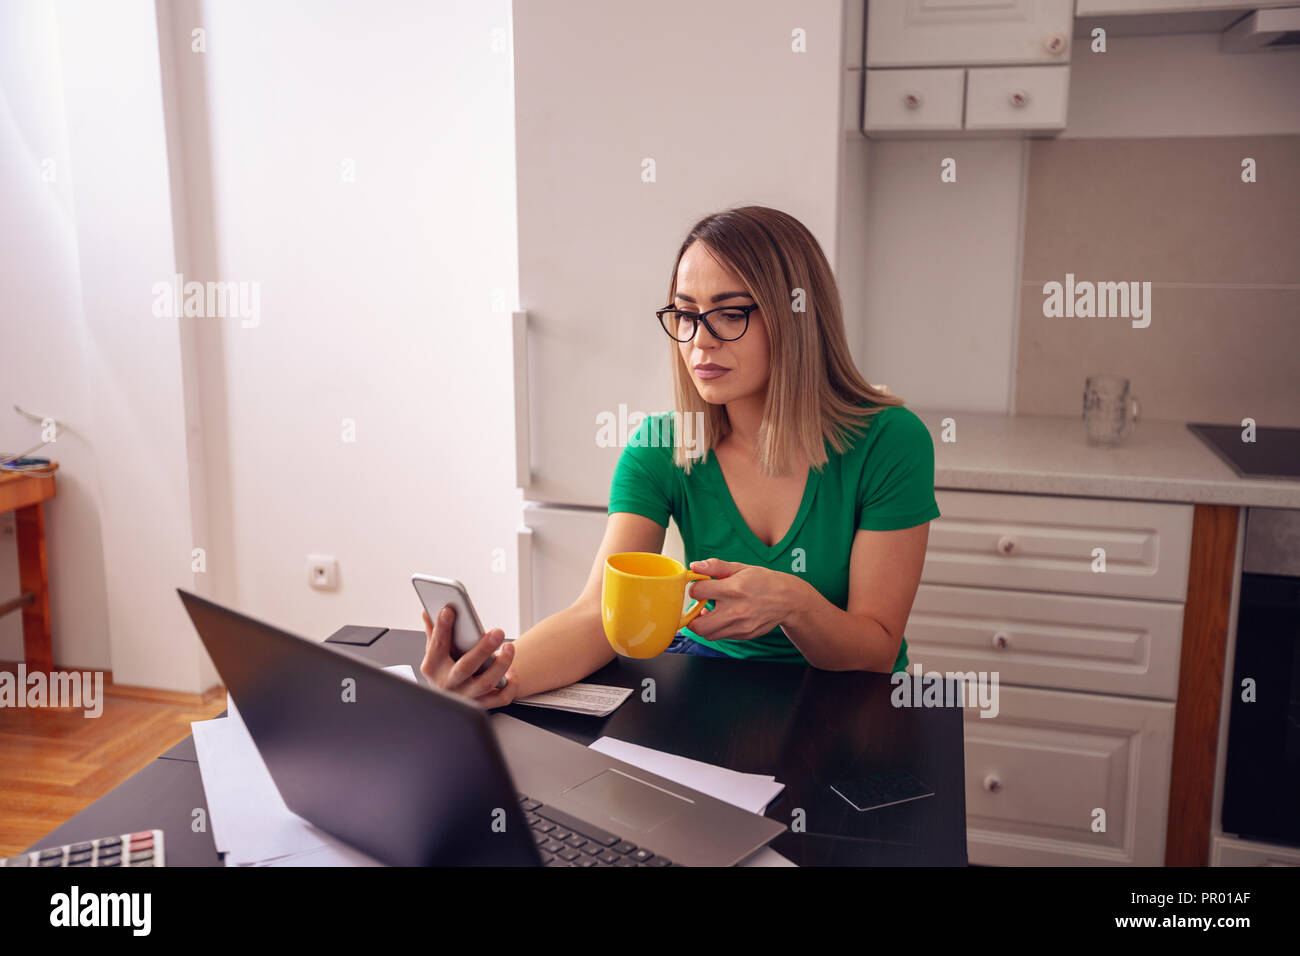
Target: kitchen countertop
{"type": "Point", "coordinates": [1047, 455]}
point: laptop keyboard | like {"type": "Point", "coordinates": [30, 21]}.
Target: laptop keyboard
{"type": "Point", "coordinates": [564, 840]}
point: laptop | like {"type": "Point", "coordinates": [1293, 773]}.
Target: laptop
{"type": "Point", "coordinates": [415, 776]}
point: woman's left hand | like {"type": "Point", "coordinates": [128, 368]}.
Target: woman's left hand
{"type": "Point", "coordinates": [749, 601]}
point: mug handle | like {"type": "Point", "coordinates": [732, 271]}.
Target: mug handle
{"type": "Point", "coordinates": [694, 610]}
{"type": "Point", "coordinates": [1135, 410]}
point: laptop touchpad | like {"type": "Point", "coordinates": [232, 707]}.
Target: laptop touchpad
{"type": "Point", "coordinates": [636, 805]}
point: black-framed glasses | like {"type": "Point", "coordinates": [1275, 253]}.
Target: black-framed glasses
{"type": "Point", "coordinates": [728, 323]}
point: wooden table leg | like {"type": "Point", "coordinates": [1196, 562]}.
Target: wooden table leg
{"type": "Point", "coordinates": [32, 577]}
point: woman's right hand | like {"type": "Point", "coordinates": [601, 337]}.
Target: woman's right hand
{"type": "Point", "coordinates": [457, 676]}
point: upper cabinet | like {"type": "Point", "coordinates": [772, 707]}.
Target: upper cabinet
{"type": "Point", "coordinates": [909, 33]}
{"type": "Point", "coordinates": [937, 67]}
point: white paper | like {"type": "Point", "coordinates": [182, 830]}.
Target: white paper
{"type": "Point", "coordinates": [594, 700]}
{"type": "Point", "coordinates": [334, 853]}
{"type": "Point", "coordinates": [249, 820]}
{"type": "Point", "coordinates": [749, 791]}
{"type": "Point", "coordinates": [404, 670]}
{"type": "Point", "coordinates": [246, 812]}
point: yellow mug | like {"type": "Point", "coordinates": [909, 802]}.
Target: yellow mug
{"type": "Point", "coordinates": [641, 602]}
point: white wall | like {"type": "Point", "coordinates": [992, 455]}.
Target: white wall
{"type": "Point", "coordinates": [385, 300]}
{"type": "Point", "coordinates": [85, 346]}
{"type": "Point", "coordinates": [942, 270]}
{"type": "Point", "coordinates": [379, 301]}
{"type": "Point", "coordinates": [122, 210]}
{"type": "Point", "coordinates": [943, 261]}
{"type": "Point", "coordinates": [43, 338]}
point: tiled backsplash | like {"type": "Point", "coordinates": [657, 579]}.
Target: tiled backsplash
{"type": "Point", "coordinates": [1222, 258]}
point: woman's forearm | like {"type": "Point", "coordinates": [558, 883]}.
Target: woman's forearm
{"type": "Point", "coordinates": [835, 640]}
{"type": "Point", "coordinates": [561, 649]}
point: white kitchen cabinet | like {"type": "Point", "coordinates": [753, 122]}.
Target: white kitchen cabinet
{"type": "Point", "coordinates": [904, 33]}
{"type": "Point", "coordinates": [1017, 98]}
{"type": "Point", "coordinates": [1087, 664]}
{"type": "Point", "coordinates": [913, 100]}
{"type": "Point", "coordinates": [1066, 641]}
{"type": "Point", "coordinates": [1049, 543]}
{"type": "Point", "coordinates": [1038, 773]}
{"type": "Point", "coordinates": [986, 100]}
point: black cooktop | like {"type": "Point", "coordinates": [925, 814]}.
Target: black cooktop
{"type": "Point", "coordinates": [1275, 452]}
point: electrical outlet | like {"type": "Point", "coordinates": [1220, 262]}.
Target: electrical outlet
{"type": "Point", "coordinates": [322, 571]}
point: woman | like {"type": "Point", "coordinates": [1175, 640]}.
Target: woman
{"type": "Point", "coordinates": [810, 510]}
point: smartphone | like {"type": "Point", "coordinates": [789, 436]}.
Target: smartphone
{"type": "Point", "coordinates": [435, 594]}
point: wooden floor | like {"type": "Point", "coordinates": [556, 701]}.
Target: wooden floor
{"type": "Point", "coordinates": [56, 762]}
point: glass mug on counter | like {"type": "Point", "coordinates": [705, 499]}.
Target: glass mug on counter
{"type": "Point", "coordinates": [1110, 413]}
{"type": "Point", "coordinates": [641, 602]}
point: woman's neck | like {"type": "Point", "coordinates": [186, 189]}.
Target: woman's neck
{"type": "Point", "coordinates": [744, 415]}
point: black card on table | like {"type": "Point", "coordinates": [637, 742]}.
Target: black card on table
{"type": "Point", "coordinates": [355, 634]}
{"type": "Point", "coordinates": [881, 789]}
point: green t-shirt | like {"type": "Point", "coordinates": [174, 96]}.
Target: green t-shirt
{"type": "Point", "coordinates": [884, 481]}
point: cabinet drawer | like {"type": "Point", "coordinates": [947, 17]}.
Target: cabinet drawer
{"type": "Point", "coordinates": [1037, 771]}
{"type": "Point", "coordinates": [953, 32]}
{"type": "Point", "coordinates": [1046, 543]}
{"type": "Point", "coordinates": [1061, 641]}
{"type": "Point", "coordinates": [1017, 98]}
{"type": "Point", "coordinates": [898, 100]}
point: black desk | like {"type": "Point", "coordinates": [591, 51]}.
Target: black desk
{"type": "Point", "coordinates": [805, 726]}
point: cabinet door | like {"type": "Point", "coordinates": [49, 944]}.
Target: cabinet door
{"type": "Point", "coordinates": [1011, 98]}
{"type": "Point", "coordinates": [1049, 543]}
{"type": "Point", "coordinates": [911, 100]}
{"type": "Point", "coordinates": [1060, 641]}
{"type": "Point", "coordinates": [1038, 771]}
{"type": "Point", "coordinates": [964, 32]}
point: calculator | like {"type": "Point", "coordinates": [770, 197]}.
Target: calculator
{"type": "Point", "coordinates": [142, 848]}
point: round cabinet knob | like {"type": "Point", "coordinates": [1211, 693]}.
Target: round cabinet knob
{"type": "Point", "coordinates": [912, 101]}
{"type": "Point", "coordinates": [1055, 44]}
{"type": "Point", "coordinates": [992, 784]}
{"type": "Point", "coordinates": [1001, 640]}
{"type": "Point", "coordinates": [1019, 99]}
{"type": "Point", "coordinates": [1006, 544]}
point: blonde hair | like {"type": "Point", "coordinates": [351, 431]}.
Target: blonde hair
{"type": "Point", "coordinates": [815, 393]}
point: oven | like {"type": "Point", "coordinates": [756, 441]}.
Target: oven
{"type": "Point", "coordinates": [1261, 796]}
